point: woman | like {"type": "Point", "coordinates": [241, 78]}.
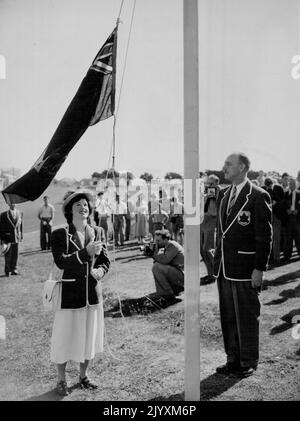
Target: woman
{"type": "Point", "coordinates": [141, 219]}
{"type": "Point", "coordinates": [79, 322]}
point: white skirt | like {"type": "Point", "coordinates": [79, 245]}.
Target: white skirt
{"type": "Point", "coordinates": [77, 335]}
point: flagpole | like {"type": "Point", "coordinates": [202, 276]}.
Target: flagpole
{"type": "Point", "coordinates": [191, 172]}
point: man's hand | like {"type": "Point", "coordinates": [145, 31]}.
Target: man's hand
{"type": "Point", "coordinates": [256, 278]}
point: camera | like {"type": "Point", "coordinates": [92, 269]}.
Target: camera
{"type": "Point", "coordinates": [148, 249]}
{"type": "Point", "coordinates": [211, 191]}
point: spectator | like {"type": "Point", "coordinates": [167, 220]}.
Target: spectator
{"type": "Point", "coordinates": [208, 227]}
{"type": "Point", "coordinates": [261, 178]}
{"type": "Point", "coordinates": [176, 220]}
{"type": "Point", "coordinates": [101, 213]}
{"type": "Point", "coordinates": [46, 215]}
{"type": "Point", "coordinates": [168, 267]}
{"type": "Point", "coordinates": [11, 233]}
{"type": "Point", "coordinates": [141, 218]}
{"type": "Point", "coordinates": [278, 216]}
{"type": "Point", "coordinates": [119, 213]}
{"type": "Point", "coordinates": [285, 181]}
{"type": "Point", "coordinates": [292, 197]}
{"type": "Point", "coordinates": [298, 180]}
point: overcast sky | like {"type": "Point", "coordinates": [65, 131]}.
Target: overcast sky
{"type": "Point", "coordinates": [248, 99]}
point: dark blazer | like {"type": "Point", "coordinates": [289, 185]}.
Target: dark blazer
{"type": "Point", "coordinates": [10, 229]}
{"type": "Point", "coordinates": [78, 286]}
{"type": "Point", "coordinates": [244, 239]}
{"type": "Point", "coordinates": [288, 200]}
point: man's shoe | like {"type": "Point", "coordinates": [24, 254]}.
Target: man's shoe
{"type": "Point", "coordinates": [6, 273]}
{"type": "Point", "coordinates": [229, 368]}
{"type": "Point", "coordinates": [246, 371]}
{"type": "Point", "coordinates": [15, 272]}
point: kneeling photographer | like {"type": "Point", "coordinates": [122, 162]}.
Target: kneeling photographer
{"type": "Point", "coordinates": [208, 226]}
{"type": "Point", "coordinates": [168, 267]}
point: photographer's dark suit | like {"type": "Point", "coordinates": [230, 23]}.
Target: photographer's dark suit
{"type": "Point", "coordinates": [11, 232]}
{"type": "Point", "coordinates": [243, 244]}
{"type": "Point", "coordinates": [207, 231]}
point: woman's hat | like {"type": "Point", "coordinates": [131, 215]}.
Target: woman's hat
{"type": "Point", "coordinates": [71, 194]}
{"type": "Point", "coordinates": [4, 248]}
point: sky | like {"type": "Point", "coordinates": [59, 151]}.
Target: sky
{"type": "Point", "coordinates": [248, 100]}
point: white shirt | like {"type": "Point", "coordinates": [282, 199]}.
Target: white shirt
{"type": "Point", "coordinates": [239, 187]}
{"type": "Point", "coordinates": [46, 211]}
{"type": "Point", "coordinates": [293, 200]}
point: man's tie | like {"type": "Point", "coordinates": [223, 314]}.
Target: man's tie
{"type": "Point", "coordinates": [232, 200]}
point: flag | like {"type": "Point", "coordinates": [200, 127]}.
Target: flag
{"type": "Point", "coordinates": [93, 102]}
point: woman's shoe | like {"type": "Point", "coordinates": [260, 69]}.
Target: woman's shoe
{"type": "Point", "coordinates": [62, 388]}
{"type": "Point", "coordinates": [85, 383]}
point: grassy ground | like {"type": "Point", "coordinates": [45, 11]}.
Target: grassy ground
{"type": "Point", "coordinates": [144, 355]}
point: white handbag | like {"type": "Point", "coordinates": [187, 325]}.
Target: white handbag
{"type": "Point", "coordinates": [52, 292]}
{"type": "Point", "coordinates": [52, 295]}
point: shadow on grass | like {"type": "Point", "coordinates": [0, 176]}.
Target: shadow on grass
{"type": "Point", "coordinates": [215, 385]}
{"type": "Point", "coordinates": [210, 387]}
{"type": "Point", "coordinates": [143, 306]}
{"type": "Point", "coordinates": [281, 280]}
{"type": "Point", "coordinates": [286, 294]}
{"type": "Point", "coordinates": [51, 395]}
{"type": "Point", "coordinates": [287, 318]}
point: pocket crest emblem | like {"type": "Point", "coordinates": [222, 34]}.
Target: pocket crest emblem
{"type": "Point", "coordinates": [244, 218]}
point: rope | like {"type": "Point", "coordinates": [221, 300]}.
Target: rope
{"type": "Point", "coordinates": [121, 85]}
{"type": "Point", "coordinates": [121, 7]}
{"type": "Point", "coordinates": [112, 156]}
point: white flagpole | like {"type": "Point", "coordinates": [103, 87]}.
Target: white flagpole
{"type": "Point", "coordinates": [191, 172]}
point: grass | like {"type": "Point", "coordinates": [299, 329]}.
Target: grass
{"type": "Point", "coordinates": [143, 357]}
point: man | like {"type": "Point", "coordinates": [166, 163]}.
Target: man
{"type": "Point", "coordinates": [285, 181]}
{"type": "Point", "coordinates": [46, 215]}
{"type": "Point", "coordinates": [292, 197]}
{"type": "Point", "coordinates": [176, 220]}
{"type": "Point", "coordinates": [168, 267]}
{"type": "Point", "coordinates": [119, 214]}
{"type": "Point", "coordinates": [101, 213]}
{"type": "Point", "coordinates": [11, 232]}
{"type": "Point", "coordinates": [278, 216]}
{"type": "Point", "coordinates": [243, 245]}
{"type": "Point", "coordinates": [208, 227]}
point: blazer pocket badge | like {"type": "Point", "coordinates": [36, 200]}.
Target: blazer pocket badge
{"type": "Point", "coordinates": [244, 218]}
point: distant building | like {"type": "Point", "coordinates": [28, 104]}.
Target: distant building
{"type": "Point", "coordinates": [13, 172]}
{"type": "Point", "coordinates": [8, 176]}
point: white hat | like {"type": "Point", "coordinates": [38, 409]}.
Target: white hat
{"type": "Point", "coordinates": [71, 194]}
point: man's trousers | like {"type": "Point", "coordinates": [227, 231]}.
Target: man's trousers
{"type": "Point", "coordinates": [168, 279]}
{"type": "Point", "coordinates": [239, 312]}
{"type": "Point", "coordinates": [11, 258]}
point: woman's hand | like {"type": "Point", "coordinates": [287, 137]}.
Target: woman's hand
{"type": "Point", "coordinates": [94, 248]}
{"type": "Point", "coordinates": [97, 273]}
